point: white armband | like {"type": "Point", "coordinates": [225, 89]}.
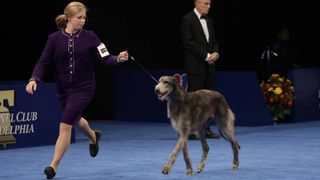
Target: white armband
{"type": "Point", "coordinates": [103, 50]}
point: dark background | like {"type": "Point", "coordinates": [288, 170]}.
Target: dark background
{"type": "Point", "coordinates": [150, 31]}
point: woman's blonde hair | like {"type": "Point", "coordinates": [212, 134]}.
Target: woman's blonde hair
{"type": "Point", "coordinates": [69, 11]}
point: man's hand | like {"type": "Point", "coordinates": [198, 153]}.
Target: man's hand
{"type": "Point", "coordinates": [213, 58]}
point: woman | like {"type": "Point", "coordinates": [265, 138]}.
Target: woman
{"type": "Point", "coordinates": [69, 50]}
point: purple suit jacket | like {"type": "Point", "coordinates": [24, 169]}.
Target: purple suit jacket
{"type": "Point", "coordinates": [70, 53]}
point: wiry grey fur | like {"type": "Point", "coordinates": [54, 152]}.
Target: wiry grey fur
{"type": "Point", "coordinates": [192, 113]}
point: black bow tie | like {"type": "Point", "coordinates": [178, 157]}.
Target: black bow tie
{"type": "Point", "coordinates": [203, 17]}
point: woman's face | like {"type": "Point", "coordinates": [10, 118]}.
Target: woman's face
{"type": "Point", "coordinates": [78, 20]}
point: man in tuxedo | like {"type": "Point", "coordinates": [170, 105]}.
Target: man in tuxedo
{"type": "Point", "coordinates": [200, 50]}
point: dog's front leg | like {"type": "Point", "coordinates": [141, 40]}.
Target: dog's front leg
{"type": "Point", "coordinates": [187, 159]}
{"type": "Point", "coordinates": [180, 145]}
{"type": "Point", "coordinates": [205, 150]}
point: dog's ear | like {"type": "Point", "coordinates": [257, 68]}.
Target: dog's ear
{"type": "Point", "coordinates": [177, 78]}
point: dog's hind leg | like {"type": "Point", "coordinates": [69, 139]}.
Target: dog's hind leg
{"type": "Point", "coordinates": [180, 145]}
{"type": "Point", "coordinates": [235, 147]}
{"type": "Point", "coordinates": [187, 159]}
{"type": "Point", "coordinates": [226, 129]}
{"type": "Point", "coordinates": [229, 136]}
{"type": "Point", "coordinates": [205, 150]}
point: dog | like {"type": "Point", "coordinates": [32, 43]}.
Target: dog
{"type": "Point", "coordinates": [192, 112]}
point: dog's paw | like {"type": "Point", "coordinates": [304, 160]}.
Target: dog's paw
{"type": "Point", "coordinates": [235, 165]}
{"type": "Point", "coordinates": [200, 168]}
{"type": "Point", "coordinates": [165, 170]}
{"type": "Point", "coordinates": [189, 172]}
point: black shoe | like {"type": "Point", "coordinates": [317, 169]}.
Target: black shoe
{"type": "Point", "coordinates": [50, 172]}
{"type": "Point", "coordinates": [211, 135]}
{"type": "Point", "coordinates": [94, 148]}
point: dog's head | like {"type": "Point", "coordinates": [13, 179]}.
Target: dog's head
{"type": "Point", "coordinates": [165, 86]}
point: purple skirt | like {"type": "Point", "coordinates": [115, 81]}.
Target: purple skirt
{"type": "Point", "coordinates": [73, 100]}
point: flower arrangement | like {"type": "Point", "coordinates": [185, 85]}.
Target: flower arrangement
{"type": "Point", "coordinates": [279, 94]}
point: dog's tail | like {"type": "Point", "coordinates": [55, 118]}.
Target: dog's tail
{"type": "Point", "coordinates": [226, 122]}
{"type": "Point", "coordinates": [226, 126]}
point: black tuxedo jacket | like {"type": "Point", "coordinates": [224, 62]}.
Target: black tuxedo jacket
{"type": "Point", "coordinates": [195, 44]}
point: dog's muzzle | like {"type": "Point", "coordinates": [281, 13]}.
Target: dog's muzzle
{"type": "Point", "coordinates": [160, 94]}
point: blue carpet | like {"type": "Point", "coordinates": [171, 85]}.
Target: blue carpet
{"type": "Point", "coordinates": [138, 150]}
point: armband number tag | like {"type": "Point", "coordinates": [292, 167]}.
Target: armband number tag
{"type": "Point", "coordinates": [103, 51]}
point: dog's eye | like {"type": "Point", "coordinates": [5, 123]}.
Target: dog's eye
{"type": "Point", "coordinates": [165, 82]}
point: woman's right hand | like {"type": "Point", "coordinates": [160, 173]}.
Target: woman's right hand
{"type": "Point", "coordinates": [31, 87]}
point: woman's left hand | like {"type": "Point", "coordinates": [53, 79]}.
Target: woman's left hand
{"type": "Point", "coordinates": [123, 56]}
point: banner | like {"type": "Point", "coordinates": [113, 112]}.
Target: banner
{"type": "Point", "coordinates": [28, 120]}
{"type": "Point", "coordinates": [306, 83]}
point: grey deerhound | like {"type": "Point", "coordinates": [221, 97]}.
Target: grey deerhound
{"type": "Point", "coordinates": [191, 112]}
